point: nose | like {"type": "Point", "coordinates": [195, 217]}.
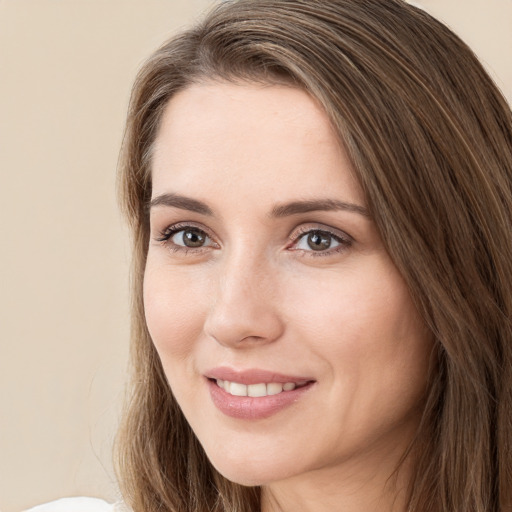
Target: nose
{"type": "Point", "coordinates": [244, 308]}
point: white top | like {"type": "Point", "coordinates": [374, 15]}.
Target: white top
{"type": "Point", "coordinates": [79, 505]}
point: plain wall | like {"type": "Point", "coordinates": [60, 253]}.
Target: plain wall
{"type": "Point", "coordinates": [66, 68]}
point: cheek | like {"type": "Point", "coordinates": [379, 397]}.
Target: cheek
{"type": "Point", "coordinates": [356, 307]}
{"type": "Point", "coordinates": [365, 325]}
{"type": "Point", "coordinates": [173, 308]}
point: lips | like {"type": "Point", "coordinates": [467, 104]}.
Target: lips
{"type": "Point", "coordinates": [257, 390]}
{"type": "Point", "coordinates": [253, 376]}
{"type": "Point", "coordinates": [254, 394]}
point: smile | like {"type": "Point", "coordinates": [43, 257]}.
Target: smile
{"type": "Point", "coordinates": [257, 390]}
{"type": "Point", "coordinates": [255, 394]}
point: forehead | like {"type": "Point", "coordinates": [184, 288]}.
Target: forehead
{"type": "Point", "coordinates": [254, 137]}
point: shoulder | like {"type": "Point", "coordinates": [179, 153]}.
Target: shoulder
{"type": "Point", "coordinates": [78, 505]}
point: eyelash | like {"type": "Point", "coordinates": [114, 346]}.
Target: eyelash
{"type": "Point", "coordinates": [344, 240]}
{"type": "Point", "coordinates": [170, 231]}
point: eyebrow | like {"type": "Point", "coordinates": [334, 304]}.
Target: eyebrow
{"type": "Point", "coordinates": [278, 211]}
{"type": "Point", "coordinates": [313, 205]}
{"type": "Point", "coordinates": [181, 202]}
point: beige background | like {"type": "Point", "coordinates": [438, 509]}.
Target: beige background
{"type": "Point", "coordinates": [66, 67]}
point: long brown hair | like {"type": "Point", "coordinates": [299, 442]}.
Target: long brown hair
{"type": "Point", "coordinates": [430, 137]}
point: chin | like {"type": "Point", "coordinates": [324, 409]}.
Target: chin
{"type": "Point", "coordinates": [248, 478]}
{"type": "Point", "coordinates": [251, 473]}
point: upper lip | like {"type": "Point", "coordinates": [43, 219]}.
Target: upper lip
{"type": "Point", "coordinates": [253, 376]}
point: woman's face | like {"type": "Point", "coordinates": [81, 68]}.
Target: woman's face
{"type": "Point", "coordinates": [287, 335]}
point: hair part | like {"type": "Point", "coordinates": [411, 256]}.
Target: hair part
{"type": "Point", "coordinates": [430, 138]}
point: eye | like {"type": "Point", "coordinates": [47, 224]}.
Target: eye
{"type": "Point", "coordinates": [320, 242]}
{"type": "Point", "coordinates": [192, 238]}
{"type": "Point", "coordinates": [317, 241]}
{"type": "Point", "coordinates": [181, 237]}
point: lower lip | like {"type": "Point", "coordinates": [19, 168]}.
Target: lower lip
{"type": "Point", "coordinates": [254, 408]}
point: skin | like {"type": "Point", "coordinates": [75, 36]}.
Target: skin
{"type": "Point", "coordinates": [256, 295]}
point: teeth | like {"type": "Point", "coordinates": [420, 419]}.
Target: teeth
{"type": "Point", "coordinates": [236, 389]}
{"type": "Point", "coordinates": [256, 390]}
{"type": "Point", "coordinates": [274, 388]}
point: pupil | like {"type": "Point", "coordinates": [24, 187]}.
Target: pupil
{"type": "Point", "coordinates": [319, 241]}
{"type": "Point", "coordinates": [193, 238]}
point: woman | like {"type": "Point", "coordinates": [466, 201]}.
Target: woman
{"type": "Point", "coordinates": [320, 197]}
